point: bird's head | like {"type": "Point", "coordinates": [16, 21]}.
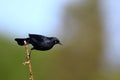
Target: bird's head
{"type": "Point", "coordinates": [56, 40]}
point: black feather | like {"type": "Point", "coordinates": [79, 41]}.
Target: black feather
{"type": "Point", "coordinates": [39, 42]}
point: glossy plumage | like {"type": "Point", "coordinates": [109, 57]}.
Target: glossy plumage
{"type": "Point", "coordinates": [39, 42]}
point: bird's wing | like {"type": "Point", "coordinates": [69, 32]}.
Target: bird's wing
{"type": "Point", "coordinates": [37, 37]}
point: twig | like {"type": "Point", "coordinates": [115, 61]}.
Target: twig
{"type": "Point", "coordinates": [28, 61]}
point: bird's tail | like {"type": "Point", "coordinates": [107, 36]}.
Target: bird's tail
{"type": "Point", "coordinates": [20, 41]}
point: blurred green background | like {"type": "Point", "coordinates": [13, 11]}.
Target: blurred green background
{"type": "Point", "coordinates": [80, 58]}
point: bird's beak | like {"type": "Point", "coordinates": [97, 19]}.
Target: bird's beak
{"type": "Point", "coordinates": [60, 43]}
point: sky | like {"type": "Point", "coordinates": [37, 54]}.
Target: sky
{"type": "Point", "coordinates": [30, 16]}
{"type": "Point", "coordinates": [111, 20]}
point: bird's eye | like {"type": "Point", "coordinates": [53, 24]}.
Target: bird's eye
{"type": "Point", "coordinates": [55, 41]}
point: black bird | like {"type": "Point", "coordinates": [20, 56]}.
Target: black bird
{"type": "Point", "coordinates": [39, 42]}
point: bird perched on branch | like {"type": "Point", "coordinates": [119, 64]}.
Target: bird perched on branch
{"type": "Point", "coordinates": [39, 42]}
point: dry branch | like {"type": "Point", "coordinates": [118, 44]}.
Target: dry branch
{"type": "Point", "coordinates": [28, 61]}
